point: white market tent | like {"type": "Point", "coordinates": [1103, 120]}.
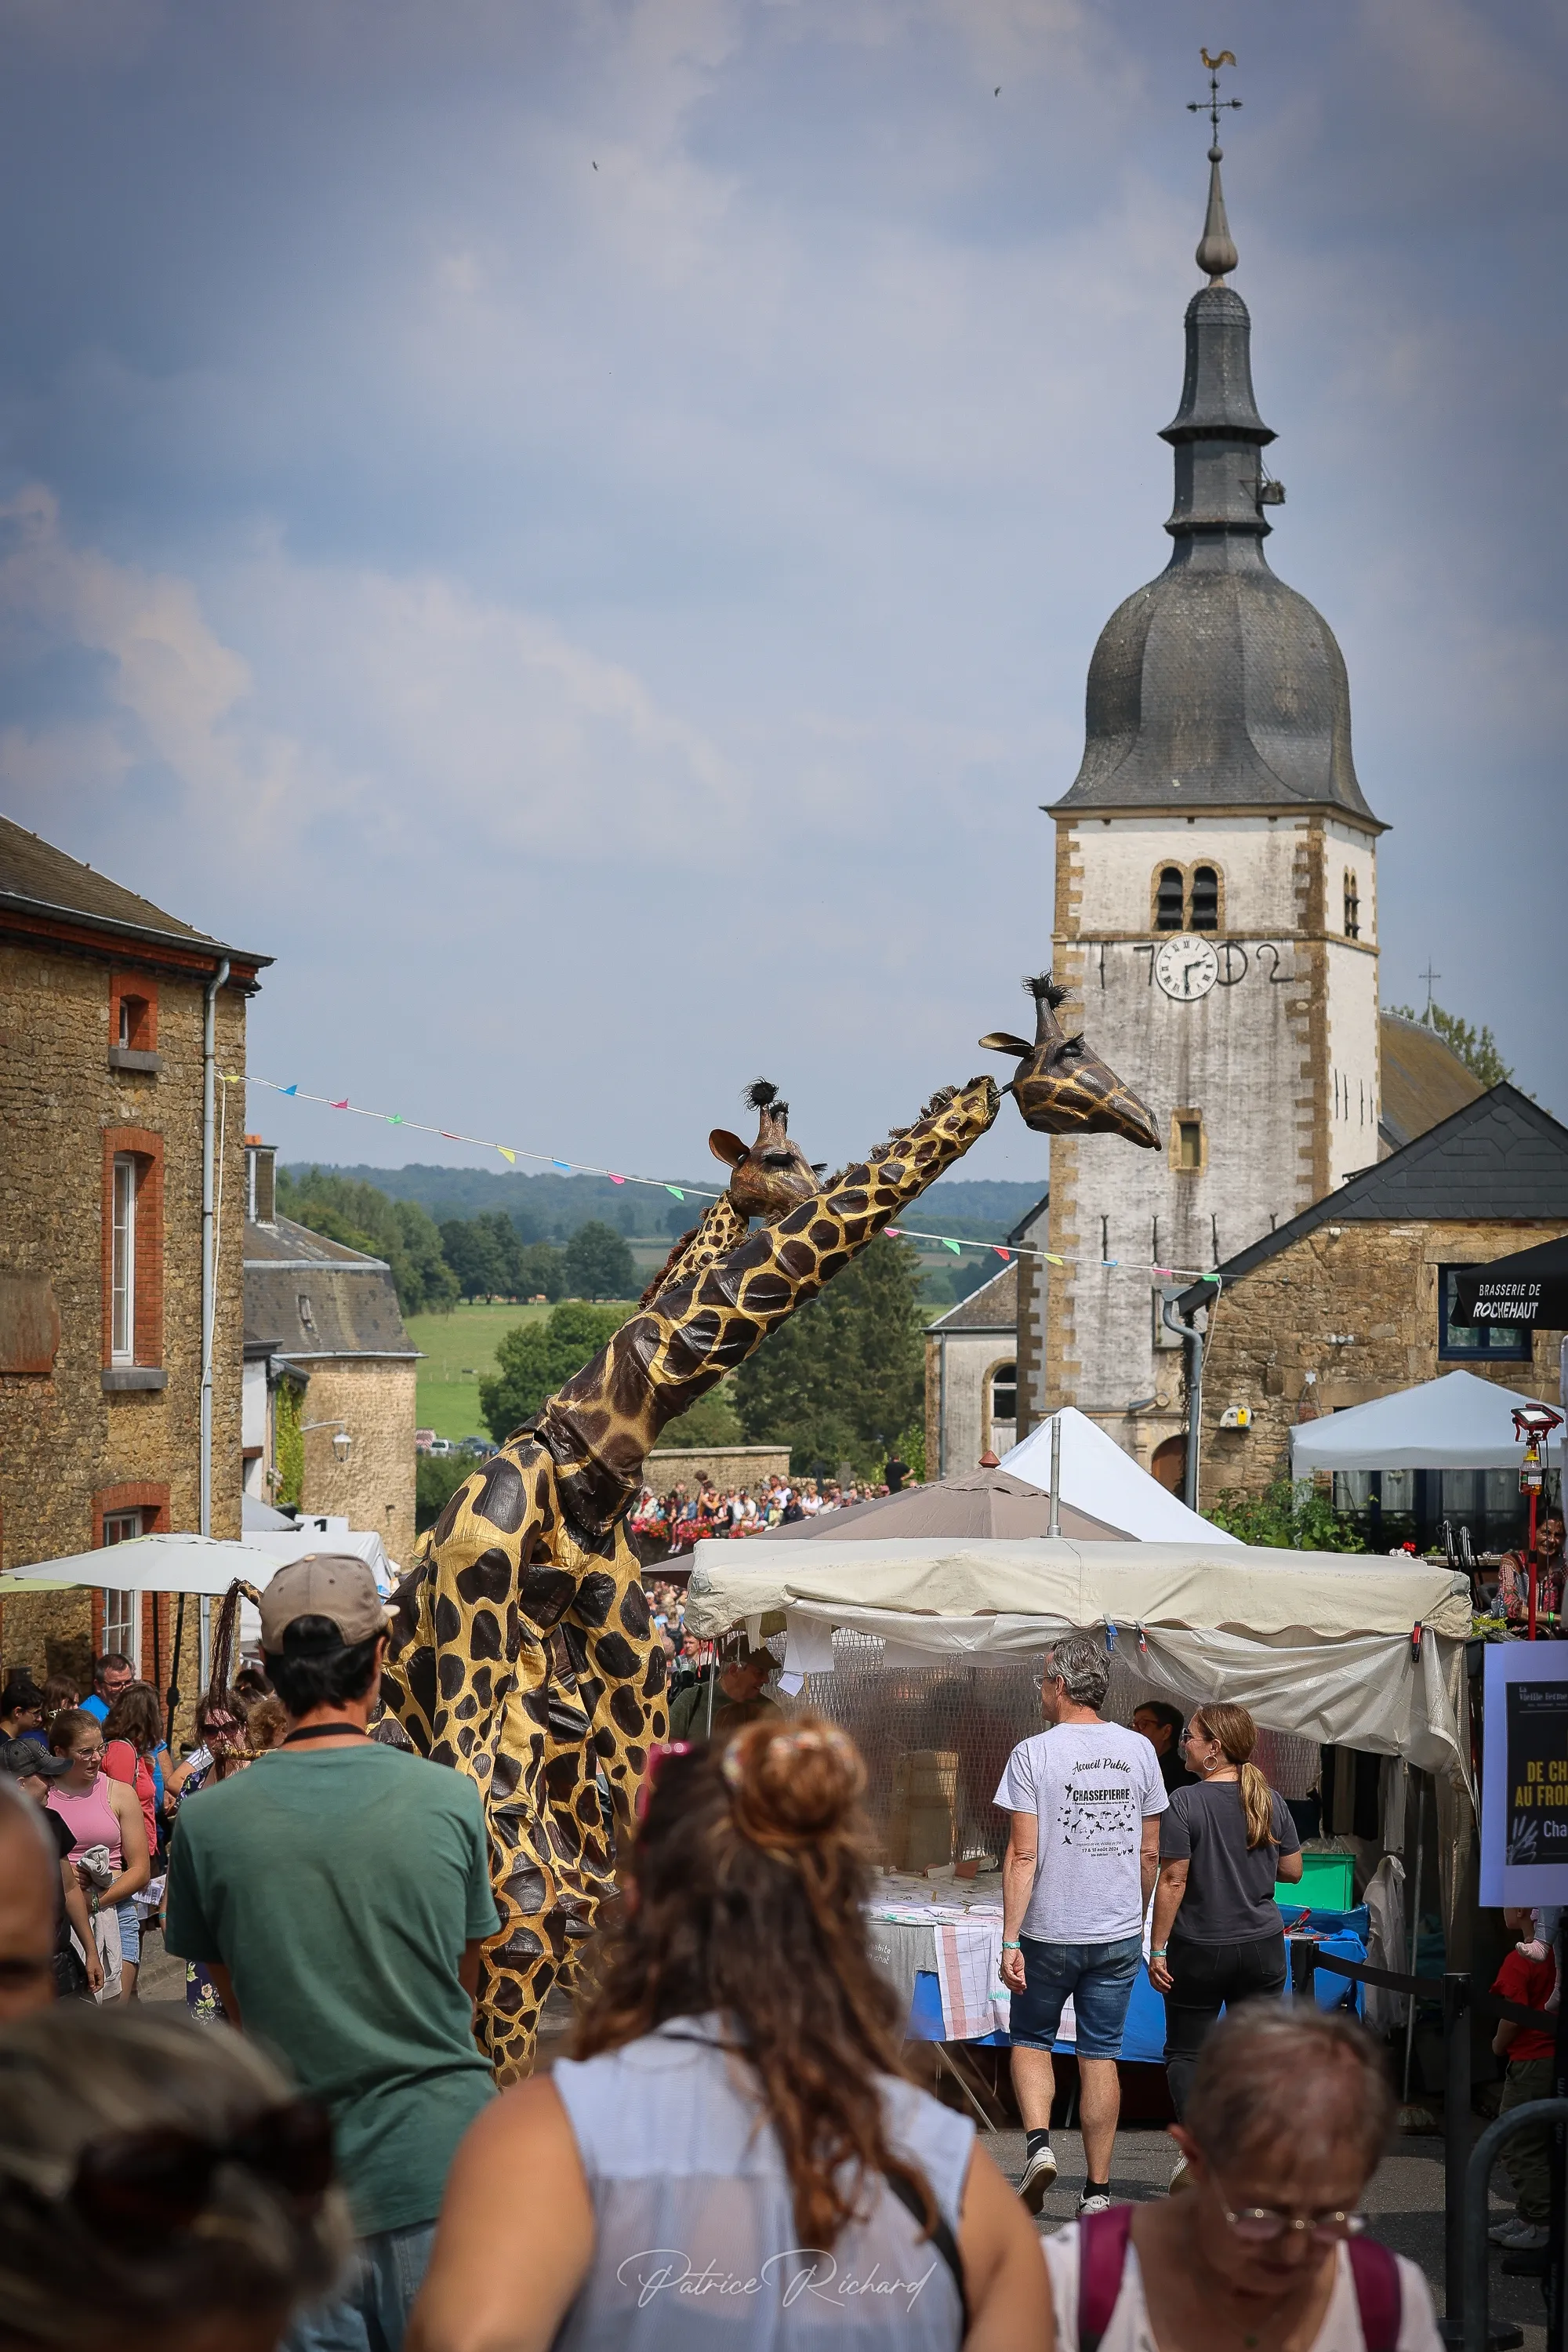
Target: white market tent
{"type": "Point", "coordinates": [1457, 1423]}
{"type": "Point", "coordinates": [1316, 1644]}
{"type": "Point", "coordinates": [1098, 1476]}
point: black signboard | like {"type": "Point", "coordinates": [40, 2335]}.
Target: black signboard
{"type": "Point", "coordinates": [1537, 1774]}
{"type": "Point", "coordinates": [1530, 1287]}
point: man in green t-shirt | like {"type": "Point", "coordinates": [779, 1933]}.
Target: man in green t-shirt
{"type": "Point", "coordinates": [338, 1893]}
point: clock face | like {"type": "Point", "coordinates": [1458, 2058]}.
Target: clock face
{"type": "Point", "coordinates": [1186, 967]}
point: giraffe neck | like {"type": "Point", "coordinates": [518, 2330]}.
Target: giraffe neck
{"type": "Point", "coordinates": [600, 1428]}
{"type": "Point", "coordinates": [721, 1227]}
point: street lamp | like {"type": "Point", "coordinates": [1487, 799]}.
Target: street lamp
{"type": "Point", "coordinates": [1532, 1424]}
{"type": "Point", "coordinates": [342, 1443]}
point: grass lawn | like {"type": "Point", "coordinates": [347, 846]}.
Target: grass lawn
{"type": "Point", "coordinates": [458, 1351]}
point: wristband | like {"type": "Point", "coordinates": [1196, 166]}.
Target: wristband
{"type": "Point", "coordinates": [1011, 1947]}
{"type": "Point", "coordinates": [1158, 1951]}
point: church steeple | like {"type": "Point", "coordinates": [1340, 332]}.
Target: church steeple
{"type": "Point", "coordinates": [1216, 684]}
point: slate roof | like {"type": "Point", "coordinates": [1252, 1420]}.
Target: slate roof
{"type": "Point", "coordinates": [1020, 1232]}
{"type": "Point", "coordinates": [307, 1298]}
{"type": "Point", "coordinates": [992, 1307]}
{"type": "Point", "coordinates": [36, 878]}
{"type": "Point", "coordinates": [1499, 1157]}
{"type": "Point", "coordinates": [1424, 1079]}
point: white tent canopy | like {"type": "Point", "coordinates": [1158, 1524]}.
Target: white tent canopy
{"type": "Point", "coordinates": [1098, 1476]}
{"type": "Point", "coordinates": [1457, 1423]}
{"type": "Point", "coordinates": [1316, 1644]}
{"type": "Point", "coordinates": [204, 1564]}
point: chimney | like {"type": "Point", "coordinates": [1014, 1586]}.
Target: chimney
{"type": "Point", "coordinates": [260, 1180]}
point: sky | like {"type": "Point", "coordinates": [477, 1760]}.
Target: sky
{"type": "Point", "coordinates": [578, 526]}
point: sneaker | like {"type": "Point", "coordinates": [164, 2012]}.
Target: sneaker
{"type": "Point", "coordinates": [1099, 2204]}
{"type": "Point", "coordinates": [1039, 2175]}
{"type": "Point", "coordinates": [1179, 2179]}
{"type": "Point", "coordinates": [1505, 2233]}
{"type": "Point", "coordinates": [1528, 2238]}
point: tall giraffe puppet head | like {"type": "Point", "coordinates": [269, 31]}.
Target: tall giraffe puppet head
{"type": "Point", "coordinates": [1062, 1087]}
{"type": "Point", "coordinates": [772, 1175]}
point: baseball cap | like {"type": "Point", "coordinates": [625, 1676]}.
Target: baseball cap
{"type": "Point", "coordinates": [23, 1759]}
{"type": "Point", "coordinates": [333, 1584]}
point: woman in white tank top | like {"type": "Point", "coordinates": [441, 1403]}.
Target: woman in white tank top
{"type": "Point", "coordinates": [733, 2162]}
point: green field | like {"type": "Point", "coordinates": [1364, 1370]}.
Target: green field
{"type": "Point", "coordinates": [458, 1351]}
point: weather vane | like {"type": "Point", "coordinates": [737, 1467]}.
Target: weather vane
{"type": "Point", "coordinates": [1214, 106]}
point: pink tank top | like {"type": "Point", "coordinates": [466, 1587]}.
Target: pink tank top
{"type": "Point", "coordinates": [91, 1818]}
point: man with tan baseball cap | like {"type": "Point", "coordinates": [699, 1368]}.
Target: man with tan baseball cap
{"type": "Point", "coordinates": [338, 1890]}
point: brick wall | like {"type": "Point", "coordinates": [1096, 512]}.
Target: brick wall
{"type": "Point", "coordinates": [64, 1438]}
{"type": "Point", "coordinates": [1361, 1312]}
{"type": "Point", "coordinates": [375, 1488]}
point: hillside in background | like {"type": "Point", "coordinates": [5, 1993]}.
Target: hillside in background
{"type": "Point", "coordinates": [548, 1207]}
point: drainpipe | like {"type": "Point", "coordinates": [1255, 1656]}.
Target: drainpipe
{"type": "Point", "coordinates": [209, 1269]}
{"type": "Point", "coordinates": [941, 1407]}
{"type": "Point", "coordinates": [1194, 1340]}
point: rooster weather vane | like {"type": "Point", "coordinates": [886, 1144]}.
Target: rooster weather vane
{"type": "Point", "coordinates": [1214, 106]}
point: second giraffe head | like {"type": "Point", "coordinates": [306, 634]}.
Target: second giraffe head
{"type": "Point", "coordinates": [772, 1175]}
{"type": "Point", "coordinates": [1062, 1087]}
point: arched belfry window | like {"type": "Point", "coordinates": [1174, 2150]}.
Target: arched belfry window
{"type": "Point", "coordinates": [1352, 904]}
{"type": "Point", "coordinates": [1204, 915]}
{"type": "Point", "coordinates": [1168, 896]}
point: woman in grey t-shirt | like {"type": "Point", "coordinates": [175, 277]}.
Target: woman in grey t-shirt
{"type": "Point", "coordinates": [1219, 1938]}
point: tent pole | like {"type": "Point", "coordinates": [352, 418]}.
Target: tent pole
{"type": "Point", "coordinates": [1054, 1526]}
{"type": "Point", "coordinates": [1415, 1922]}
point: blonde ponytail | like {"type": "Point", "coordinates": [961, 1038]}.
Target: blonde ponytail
{"type": "Point", "coordinates": [1236, 1734]}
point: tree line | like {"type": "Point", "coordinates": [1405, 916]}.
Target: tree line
{"type": "Point", "coordinates": [434, 1265]}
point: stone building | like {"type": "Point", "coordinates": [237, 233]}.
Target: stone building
{"type": "Point", "coordinates": [1215, 911]}
{"type": "Point", "coordinates": [1350, 1299]}
{"type": "Point", "coordinates": [972, 1377]}
{"type": "Point", "coordinates": [103, 1000]}
{"type": "Point", "coordinates": [330, 1372]}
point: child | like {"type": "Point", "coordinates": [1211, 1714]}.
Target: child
{"type": "Point", "coordinates": [1527, 1976]}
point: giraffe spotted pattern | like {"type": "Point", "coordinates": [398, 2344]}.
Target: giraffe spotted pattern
{"type": "Point", "coordinates": [525, 1654]}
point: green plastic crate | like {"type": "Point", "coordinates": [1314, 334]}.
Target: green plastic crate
{"type": "Point", "coordinates": [1326, 1884]}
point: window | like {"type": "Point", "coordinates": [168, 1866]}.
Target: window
{"type": "Point", "coordinates": [1168, 915]}
{"type": "Point", "coordinates": [306, 1314]}
{"type": "Point", "coordinates": [1005, 1393]}
{"type": "Point", "coordinates": [121, 1618]}
{"type": "Point", "coordinates": [1187, 1140]}
{"type": "Point", "coordinates": [1205, 899]}
{"type": "Point", "coordinates": [121, 1527]}
{"type": "Point", "coordinates": [1352, 905]}
{"type": "Point", "coordinates": [133, 1013]}
{"type": "Point", "coordinates": [122, 1262]}
{"type": "Point", "coordinates": [1187, 901]}
{"type": "Point", "coordinates": [1496, 1343]}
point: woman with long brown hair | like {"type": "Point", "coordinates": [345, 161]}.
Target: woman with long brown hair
{"type": "Point", "coordinates": [733, 2155]}
{"type": "Point", "coordinates": [1219, 1938]}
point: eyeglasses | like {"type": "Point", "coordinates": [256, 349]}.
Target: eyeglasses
{"type": "Point", "coordinates": [144, 2183]}
{"type": "Point", "coordinates": [1265, 2225]}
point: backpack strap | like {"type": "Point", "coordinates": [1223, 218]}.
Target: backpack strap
{"type": "Point", "coordinates": [1379, 2298]}
{"type": "Point", "coordinates": [941, 2236]}
{"type": "Point", "coordinates": [1102, 2243]}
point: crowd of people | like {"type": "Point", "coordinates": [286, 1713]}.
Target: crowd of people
{"type": "Point", "coordinates": [732, 2152]}
{"type": "Point", "coordinates": [688, 1514]}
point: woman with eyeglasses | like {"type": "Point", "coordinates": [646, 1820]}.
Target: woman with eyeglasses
{"type": "Point", "coordinates": [1217, 1934]}
{"type": "Point", "coordinates": [104, 1817]}
{"type": "Point", "coordinates": [734, 2158]}
{"type": "Point", "coordinates": [1288, 2116]}
{"type": "Point", "coordinates": [161, 2190]}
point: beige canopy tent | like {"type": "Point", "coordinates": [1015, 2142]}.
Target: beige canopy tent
{"type": "Point", "coordinates": [984, 1502]}
{"type": "Point", "coordinates": [1320, 1644]}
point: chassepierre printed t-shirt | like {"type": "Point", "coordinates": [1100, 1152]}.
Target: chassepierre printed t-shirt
{"type": "Point", "coordinates": [1093, 1785]}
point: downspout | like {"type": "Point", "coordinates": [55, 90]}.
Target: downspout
{"type": "Point", "coordinates": [941, 1407]}
{"type": "Point", "coordinates": [209, 1269]}
{"type": "Point", "coordinates": [1194, 1340]}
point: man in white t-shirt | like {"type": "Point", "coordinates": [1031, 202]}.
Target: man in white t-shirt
{"type": "Point", "coordinates": [1081, 1860]}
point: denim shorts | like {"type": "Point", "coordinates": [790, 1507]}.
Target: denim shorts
{"type": "Point", "coordinates": [130, 1930]}
{"type": "Point", "coordinates": [1100, 1977]}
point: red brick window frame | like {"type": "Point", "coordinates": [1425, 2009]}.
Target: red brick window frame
{"type": "Point", "coordinates": [133, 1011]}
{"type": "Point", "coordinates": [144, 1150]}
{"type": "Point", "coordinates": [149, 1501]}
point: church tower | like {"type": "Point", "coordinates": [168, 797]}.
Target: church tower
{"type": "Point", "coordinates": [1215, 921]}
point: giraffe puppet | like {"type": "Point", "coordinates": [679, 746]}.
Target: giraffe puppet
{"type": "Point", "coordinates": [1062, 1088]}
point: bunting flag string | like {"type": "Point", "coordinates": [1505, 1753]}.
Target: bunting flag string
{"type": "Point", "coordinates": [513, 1152]}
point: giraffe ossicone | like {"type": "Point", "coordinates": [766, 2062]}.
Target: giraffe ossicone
{"type": "Point", "coordinates": [1062, 1088]}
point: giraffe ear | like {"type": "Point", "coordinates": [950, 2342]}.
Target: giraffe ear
{"type": "Point", "coordinates": [726, 1147]}
{"type": "Point", "coordinates": [1002, 1041]}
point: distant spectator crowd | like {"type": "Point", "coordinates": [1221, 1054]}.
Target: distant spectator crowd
{"type": "Point", "coordinates": [684, 1516]}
